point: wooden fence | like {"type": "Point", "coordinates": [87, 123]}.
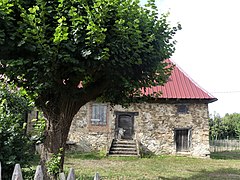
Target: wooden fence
{"type": "Point", "coordinates": [224, 145]}
{"type": "Point", "coordinates": [17, 174]}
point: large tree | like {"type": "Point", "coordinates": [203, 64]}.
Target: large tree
{"type": "Point", "coordinates": [66, 53]}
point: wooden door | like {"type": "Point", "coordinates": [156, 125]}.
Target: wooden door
{"type": "Point", "coordinates": [125, 123]}
{"type": "Point", "coordinates": [182, 140]}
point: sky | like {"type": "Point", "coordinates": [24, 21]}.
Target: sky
{"type": "Point", "coordinates": [208, 47]}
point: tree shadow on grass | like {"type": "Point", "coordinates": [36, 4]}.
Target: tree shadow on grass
{"type": "Point", "coordinates": [223, 174]}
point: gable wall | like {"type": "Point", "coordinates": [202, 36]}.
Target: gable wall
{"type": "Point", "coordinates": [153, 126]}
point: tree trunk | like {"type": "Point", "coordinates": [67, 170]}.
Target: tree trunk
{"type": "Point", "coordinates": [59, 115]}
{"type": "Point", "coordinates": [59, 109]}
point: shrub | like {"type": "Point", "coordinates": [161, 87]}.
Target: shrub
{"type": "Point", "coordinates": [14, 143]}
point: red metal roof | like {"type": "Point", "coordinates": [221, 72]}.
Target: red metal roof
{"type": "Point", "coordinates": [180, 86]}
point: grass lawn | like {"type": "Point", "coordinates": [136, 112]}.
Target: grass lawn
{"type": "Point", "coordinates": [222, 166]}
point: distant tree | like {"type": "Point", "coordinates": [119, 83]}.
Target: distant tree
{"type": "Point", "coordinates": [66, 53]}
{"type": "Point", "coordinates": [216, 127]}
{"type": "Point", "coordinates": [15, 146]}
{"type": "Point", "coordinates": [227, 127]}
{"type": "Point", "coordinates": [232, 123]}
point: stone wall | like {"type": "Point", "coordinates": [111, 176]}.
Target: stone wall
{"type": "Point", "coordinates": [154, 128]}
{"type": "Point", "coordinates": [86, 136]}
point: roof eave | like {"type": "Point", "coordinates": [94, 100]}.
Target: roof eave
{"type": "Point", "coordinates": [182, 100]}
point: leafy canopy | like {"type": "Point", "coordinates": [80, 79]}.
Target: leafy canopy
{"type": "Point", "coordinates": [78, 47]}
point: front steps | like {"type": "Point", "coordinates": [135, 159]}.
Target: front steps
{"type": "Point", "coordinates": [123, 148]}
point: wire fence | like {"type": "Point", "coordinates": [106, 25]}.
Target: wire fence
{"type": "Point", "coordinates": [224, 145]}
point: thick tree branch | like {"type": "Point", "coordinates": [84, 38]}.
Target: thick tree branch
{"type": "Point", "coordinates": [93, 90]}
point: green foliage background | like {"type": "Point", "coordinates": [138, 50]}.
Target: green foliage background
{"type": "Point", "coordinates": [15, 146]}
{"type": "Point", "coordinates": [227, 127]}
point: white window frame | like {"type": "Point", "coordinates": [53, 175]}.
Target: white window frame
{"type": "Point", "coordinates": [96, 119]}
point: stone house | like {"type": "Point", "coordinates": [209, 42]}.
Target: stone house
{"type": "Point", "coordinates": [175, 123]}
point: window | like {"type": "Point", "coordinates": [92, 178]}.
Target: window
{"type": "Point", "coordinates": [183, 139]}
{"type": "Point", "coordinates": [182, 109]}
{"type": "Point", "coordinates": [99, 114]}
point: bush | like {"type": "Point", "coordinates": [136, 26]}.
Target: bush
{"type": "Point", "coordinates": [15, 144]}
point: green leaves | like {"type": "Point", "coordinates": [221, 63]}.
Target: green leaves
{"type": "Point", "coordinates": [53, 165]}
{"type": "Point", "coordinates": [61, 32]}
{"type": "Point", "coordinates": [227, 127]}
{"type": "Point", "coordinates": [5, 6]}
{"type": "Point", "coordinates": [14, 143]}
{"type": "Point", "coordinates": [53, 45]}
{"type": "Point", "coordinates": [34, 9]}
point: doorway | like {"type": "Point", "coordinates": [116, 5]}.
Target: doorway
{"type": "Point", "coordinates": [183, 139]}
{"type": "Point", "coordinates": [124, 125]}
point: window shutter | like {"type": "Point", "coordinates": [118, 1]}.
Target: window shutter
{"type": "Point", "coordinates": [99, 114]}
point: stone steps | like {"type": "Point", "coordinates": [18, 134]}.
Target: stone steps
{"type": "Point", "coordinates": [123, 148]}
{"type": "Point", "coordinates": [123, 152]}
{"type": "Point", "coordinates": [120, 155]}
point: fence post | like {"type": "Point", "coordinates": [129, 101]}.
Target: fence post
{"type": "Point", "coordinates": [96, 177]}
{"type": "Point", "coordinates": [71, 175]}
{"type": "Point", "coordinates": [38, 174]}
{"type": "Point", "coordinates": [0, 171]}
{"type": "Point", "coordinates": [17, 173]}
{"type": "Point", "coordinates": [62, 176]}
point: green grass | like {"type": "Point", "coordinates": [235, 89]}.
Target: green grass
{"type": "Point", "coordinates": [221, 166]}
{"type": "Point", "coordinates": [235, 155]}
